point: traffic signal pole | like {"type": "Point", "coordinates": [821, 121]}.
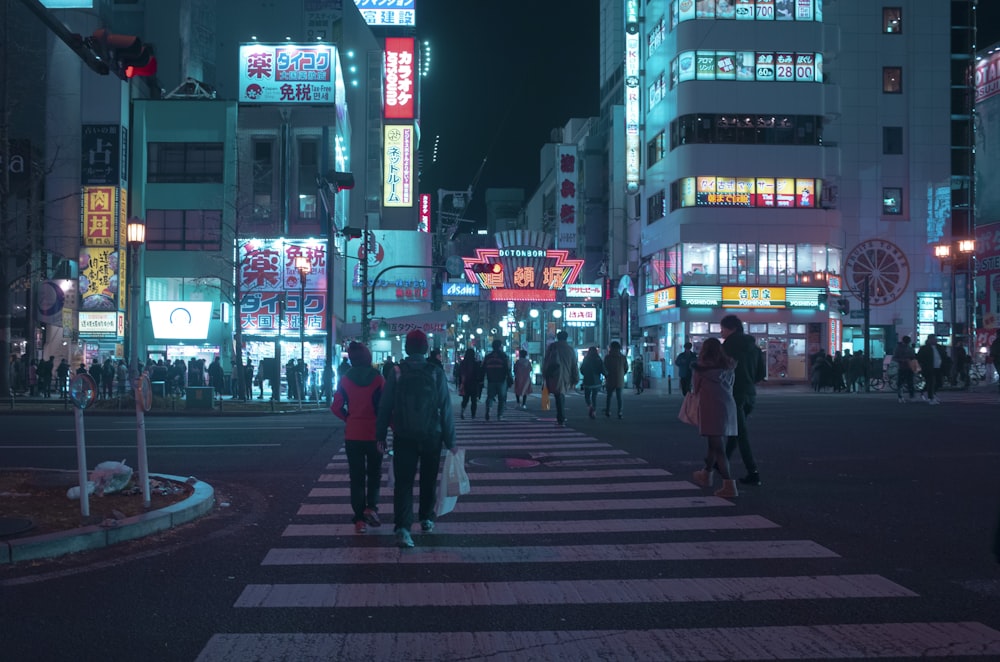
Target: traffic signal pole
{"type": "Point", "coordinates": [73, 40]}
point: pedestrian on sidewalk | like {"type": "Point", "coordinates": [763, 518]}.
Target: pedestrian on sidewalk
{"type": "Point", "coordinates": [905, 359]}
{"type": "Point", "coordinates": [683, 363]}
{"type": "Point", "coordinates": [470, 381]}
{"type": "Point", "coordinates": [522, 379]}
{"type": "Point", "coordinates": [592, 370]}
{"type": "Point", "coordinates": [749, 370]}
{"type": "Point", "coordinates": [356, 402]}
{"type": "Point", "coordinates": [62, 374]}
{"type": "Point", "coordinates": [561, 372]}
{"type": "Point", "coordinates": [499, 377]}
{"type": "Point", "coordinates": [417, 402]}
{"type": "Point", "coordinates": [712, 384]}
{"type": "Point", "coordinates": [615, 368]}
{"type": "Point", "coordinates": [995, 357]}
{"type": "Point", "coordinates": [45, 376]}
{"type": "Point", "coordinates": [931, 358]}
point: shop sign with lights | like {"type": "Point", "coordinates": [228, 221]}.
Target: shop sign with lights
{"type": "Point", "coordinates": [528, 274]}
{"type": "Point", "coordinates": [580, 316]}
{"type": "Point", "coordinates": [399, 73]}
{"type": "Point", "coordinates": [751, 297]}
{"type": "Point", "coordinates": [661, 299]}
{"type": "Point", "coordinates": [288, 73]}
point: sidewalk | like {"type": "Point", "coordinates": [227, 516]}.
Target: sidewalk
{"type": "Point", "coordinates": [171, 406]}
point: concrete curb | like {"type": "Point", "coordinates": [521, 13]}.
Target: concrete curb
{"type": "Point", "coordinates": [85, 538]}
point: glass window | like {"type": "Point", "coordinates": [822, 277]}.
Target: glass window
{"type": "Point", "coordinates": [834, 258]}
{"type": "Point", "coordinates": [701, 264]}
{"type": "Point", "coordinates": [892, 80]}
{"type": "Point", "coordinates": [797, 329]}
{"type": "Point", "coordinates": [892, 201]}
{"type": "Point", "coordinates": [184, 163]}
{"type": "Point", "coordinates": [892, 20]}
{"type": "Point", "coordinates": [777, 328]}
{"type": "Point", "coordinates": [777, 263]}
{"type": "Point", "coordinates": [700, 328]}
{"type": "Point", "coordinates": [738, 263]}
{"type": "Point", "coordinates": [263, 178]}
{"type": "Point", "coordinates": [892, 140]}
{"type": "Point", "coordinates": [756, 329]}
{"type": "Point", "coordinates": [811, 263]}
{"type": "Point", "coordinates": [183, 230]}
{"type": "Point", "coordinates": [308, 172]}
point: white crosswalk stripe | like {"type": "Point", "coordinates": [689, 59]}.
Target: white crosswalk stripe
{"type": "Point", "coordinates": [581, 526]}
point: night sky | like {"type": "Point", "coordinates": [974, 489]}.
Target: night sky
{"type": "Point", "coordinates": [501, 78]}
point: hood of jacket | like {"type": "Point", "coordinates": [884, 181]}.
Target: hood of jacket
{"type": "Point", "coordinates": [362, 375]}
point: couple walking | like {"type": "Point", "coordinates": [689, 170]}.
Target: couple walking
{"type": "Point", "coordinates": [612, 370]}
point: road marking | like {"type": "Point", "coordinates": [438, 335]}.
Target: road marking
{"type": "Point", "coordinates": [504, 490]}
{"type": "Point", "coordinates": [538, 527]}
{"type": "Point", "coordinates": [47, 447]}
{"type": "Point", "coordinates": [585, 506]}
{"type": "Point", "coordinates": [793, 642]}
{"type": "Point", "coordinates": [533, 473]}
{"type": "Point", "coordinates": [205, 428]}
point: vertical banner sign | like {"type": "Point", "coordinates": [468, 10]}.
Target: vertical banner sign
{"type": "Point", "coordinates": [632, 147]}
{"type": "Point", "coordinates": [99, 281]}
{"type": "Point", "coordinates": [100, 152]}
{"type": "Point", "coordinates": [399, 71]}
{"type": "Point", "coordinates": [397, 183]}
{"type": "Point", "coordinates": [99, 216]}
{"type": "Point", "coordinates": [425, 213]}
{"type": "Point", "coordinates": [566, 200]}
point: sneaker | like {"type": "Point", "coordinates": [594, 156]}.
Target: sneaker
{"type": "Point", "coordinates": [728, 489]}
{"type": "Point", "coordinates": [702, 478]}
{"type": "Point", "coordinates": [751, 479]}
{"type": "Point", "coordinates": [923, 396]}
{"type": "Point", "coordinates": [359, 527]}
{"type": "Point", "coordinates": [371, 517]}
{"type": "Point", "coordinates": [463, 414]}
{"type": "Point", "coordinates": [524, 407]}
{"type": "Point", "coordinates": [487, 414]}
{"type": "Point", "coordinates": [901, 401]}
{"type": "Point", "coordinates": [933, 401]}
{"type": "Point", "coordinates": [427, 525]}
{"type": "Point", "coordinates": [591, 413]}
{"type": "Point", "coordinates": [403, 538]}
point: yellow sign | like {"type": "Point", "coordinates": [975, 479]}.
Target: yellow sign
{"type": "Point", "coordinates": [754, 297]}
{"type": "Point", "coordinates": [99, 216]}
{"type": "Point", "coordinates": [397, 166]}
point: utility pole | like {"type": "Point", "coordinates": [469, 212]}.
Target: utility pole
{"type": "Point", "coordinates": [866, 307]}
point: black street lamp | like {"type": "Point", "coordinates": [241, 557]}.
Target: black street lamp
{"type": "Point", "coordinates": [135, 234]}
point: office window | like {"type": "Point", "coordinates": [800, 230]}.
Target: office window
{"type": "Point", "coordinates": [185, 163]}
{"type": "Point", "coordinates": [655, 207]}
{"type": "Point", "coordinates": [183, 229]}
{"type": "Point", "coordinates": [655, 149]}
{"type": "Point", "coordinates": [892, 80]}
{"type": "Point", "coordinates": [892, 201]}
{"type": "Point", "coordinates": [892, 140]}
{"type": "Point", "coordinates": [892, 20]}
{"type": "Point", "coordinates": [263, 178]}
{"type": "Point", "coordinates": [308, 172]}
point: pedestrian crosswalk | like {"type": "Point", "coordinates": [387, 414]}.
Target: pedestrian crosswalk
{"type": "Point", "coordinates": [569, 549]}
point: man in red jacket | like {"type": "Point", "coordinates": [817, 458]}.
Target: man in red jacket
{"type": "Point", "coordinates": [356, 402]}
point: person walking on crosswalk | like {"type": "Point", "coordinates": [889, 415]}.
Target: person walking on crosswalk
{"type": "Point", "coordinates": [417, 403]}
{"type": "Point", "coordinates": [356, 402]}
{"type": "Point", "coordinates": [561, 371]}
{"type": "Point", "coordinates": [712, 384]}
{"type": "Point", "coordinates": [615, 367]}
{"type": "Point", "coordinates": [592, 369]}
{"type": "Point", "coordinates": [522, 379]}
{"type": "Point", "coordinates": [499, 377]}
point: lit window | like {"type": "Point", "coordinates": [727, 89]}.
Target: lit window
{"type": "Point", "coordinates": [892, 201]}
{"type": "Point", "coordinates": [892, 20]}
{"type": "Point", "coordinates": [892, 80]}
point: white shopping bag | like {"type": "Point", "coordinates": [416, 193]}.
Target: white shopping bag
{"type": "Point", "coordinates": [452, 483]}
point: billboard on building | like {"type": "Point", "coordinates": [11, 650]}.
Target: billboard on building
{"type": "Point", "coordinates": [288, 73]}
{"type": "Point", "coordinates": [399, 78]}
{"type": "Point", "coordinates": [566, 196]}
{"type": "Point", "coordinates": [988, 139]}
{"type": "Point", "coordinates": [388, 14]}
{"type": "Point", "coordinates": [271, 286]}
{"type": "Point", "coordinates": [397, 166]}
{"type": "Point", "coordinates": [99, 278]}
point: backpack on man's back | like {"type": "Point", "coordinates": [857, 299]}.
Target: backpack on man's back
{"type": "Point", "coordinates": [415, 411]}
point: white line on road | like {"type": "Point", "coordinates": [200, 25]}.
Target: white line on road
{"type": "Point", "coordinates": [505, 490]}
{"type": "Point", "coordinates": [521, 474]}
{"type": "Point", "coordinates": [469, 506]}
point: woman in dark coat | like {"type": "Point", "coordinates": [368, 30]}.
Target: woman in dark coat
{"type": "Point", "coordinates": [712, 384]}
{"type": "Point", "coordinates": [471, 380]}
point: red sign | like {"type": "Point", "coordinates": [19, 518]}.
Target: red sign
{"type": "Point", "coordinates": [399, 78]}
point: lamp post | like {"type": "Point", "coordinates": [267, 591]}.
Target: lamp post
{"type": "Point", "coordinates": [329, 186]}
{"type": "Point", "coordinates": [303, 266]}
{"type": "Point", "coordinates": [135, 233]}
{"type": "Point", "coordinates": [951, 254]}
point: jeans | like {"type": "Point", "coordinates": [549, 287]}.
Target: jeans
{"type": "Point", "coordinates": [496, 390]}
{"type": "Point", "coordinates": [364, 463]}
{"type": "Point", "coordinates": [590, 395]}
{"type": "Point", "coordinates": [472, 397]}
{"type": "Point", "coordinates": [742, 438]}
{"type": "Point", "coordinates": [618, 396]}
{"type": "Point", "coordinates": [560, 399]}
{"type": "Point", "coordinates": [905, 377]}
{"type": "Point", "coordinates": [405, 458]}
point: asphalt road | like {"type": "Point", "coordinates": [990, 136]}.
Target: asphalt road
{"type": "Point", "coordinates": [871, 535]}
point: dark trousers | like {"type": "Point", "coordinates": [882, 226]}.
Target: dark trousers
{"type": "Point", "coordinates": [742, 438]}
{"type": "Point", "coordinates": [931, 382]}
{"type": "Point", "coordinates": [685, 385]}
{"type": "Point", "coordinates": [364, 465]}
{"type": "Point", "coordinates": [405, 459]}
{"type": "Point", "coordinates": [560, 399]}
{"type": "Point", "coordinates": [590, 395]}
{"type": "Point", "coordinates": [496, 390]}
{"type": "Point", "coordinates": [473, 398]}
{"type": "Point", "coordinates": [617, 392]}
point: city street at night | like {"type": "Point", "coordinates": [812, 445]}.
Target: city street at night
{"type": "Point", "coordinates": [870, 537]}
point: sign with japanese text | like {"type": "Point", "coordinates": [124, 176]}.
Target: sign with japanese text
{"type": "Point", "coordinates": [98, 325]}
{"type": "Point", "coordinates": [424, 224]}
{"type": "Point", "coordinates": [523, 270]}
{"type": "Point", "coordinates": [779, 192]}
{"type": "Point", "coordinates": [100, 151]}
{"type": "Point", "coordinates": [318, 18]}
{"type": "Point", "coordinates": [99, 278]}
{"type": "Point", "coordinates": [397, 165]}
{"type": "Point", "coordinates": [988, 272]}
{"type": "Point", "coordinates": [288, 73]}
{"type": "Point", "coordinates": [661, 299]}
{"type": "Point", "coordinates": [389, 13]}
{"type": "Point", "coordinates": [566, 197]}
{"type": "Point", "coordinates": [632, 106]}
{"type": "Point", "coordinates": [398, 78]}
{"type": "Point", "coordinates": [988, 77]}
{"type": "Point", "coordinates": [268, 274]}
{"type": "Point", "coordinates": [753, 297]}
{"type": "Point", "coordinates": [584, 291]}
{"type": "Point", "coordinates": [460, 290]}
{"type": "Point", "coordinates": [580, 316]}
{"type": "Point", "coordinates": [99, 215]}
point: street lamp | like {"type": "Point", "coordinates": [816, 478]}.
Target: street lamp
{"type": "Point", "coordinates": [135, 234]}
{"type": "Point", "coordinates": [952, 254]}
{"type": "Point", "coordinates": [303, 266]}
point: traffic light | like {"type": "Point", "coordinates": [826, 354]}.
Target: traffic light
{"type": "Point", "coordinates": [352, 233]}
{"type": "Point", "coordinates": [489, 268]}
{"type": "Point", "coordinates": [844, 305]}
{"type": "Point", "coordinates": [129, 55]}
{"type": "Point", "coordinates": [822, 301]}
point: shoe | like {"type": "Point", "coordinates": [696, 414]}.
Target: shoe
{"type": "Point", "coordinates": [524, 407]}
{"type": "Point", "coordinates": [933, 401]}
{"type": "Point", "coordinates": [901, 401]}
{"type": "Point", "coordinates": [607, 414]}
{"type": "Point", "coordinates": [923, 396]}
{"type": "Point", "coordinates": [702, 478]}
{"type": "Point", "coordinates": [359, 527]}
{"type": "Point", "coordinates": [463, 414]}
{"type": "Point", "coordinates": [591, 413]}
{"type": "Point", "coordinates": [403, 538]}
{"type": "Point", "coordinates": [728, 489]}
{"type": "Point", "coordinates": [487, 414]}
{"type": "Point", "coordinates": [427, 525]}
{"type": "Point", "coordinates": [751, 479]}
{"type": "Point", "coordinates": [371, 517]}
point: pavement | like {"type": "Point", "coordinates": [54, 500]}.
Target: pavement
{"type": "Point", "coordinates": [25, 548]}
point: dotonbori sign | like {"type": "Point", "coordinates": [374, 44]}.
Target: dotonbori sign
{"type": "Point", "coordinates": [528, 274]}
{"type": "Point", "coordinates": [988, 77]}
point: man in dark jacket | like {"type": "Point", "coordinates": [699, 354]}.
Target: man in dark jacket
{"type": "Point", "coordinates": [743, 349]}
{"type": "Point", "coordinates": [403, 408]}
{"type": "Point", "coordinates": [499, 376]}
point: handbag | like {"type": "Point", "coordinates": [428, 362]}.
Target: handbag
{"type": "Point", "coordinates": [545, 398]}
{"type": "Point", "coordinates": [453, 482]}
{"type": "Point", "coordinates": [689, 409]}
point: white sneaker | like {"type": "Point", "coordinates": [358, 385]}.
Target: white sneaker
{"type": "Point", "coordinates": [933, 401]}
